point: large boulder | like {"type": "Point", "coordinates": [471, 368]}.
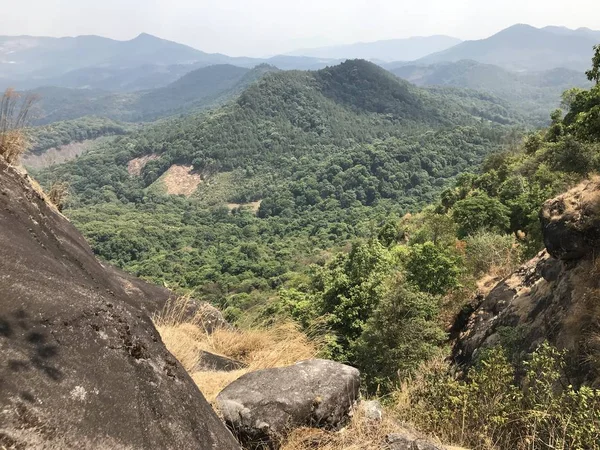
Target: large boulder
{"type": "Point", "coordinates": [81, 364]}
{"type": "Point", "coordinates": [571, 222]}
{"type": "Point", "coordinates": [262, 406]}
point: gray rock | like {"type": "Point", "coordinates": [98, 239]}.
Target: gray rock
{"type": "Point", "coordinates": [401, 441]}
{"type": "Point", "coordinates": [263, 406]}
{"type": "Point", "coordinates": [209, 362]}
{"type": "Point", "coordinates": [571, 222]}
{"type": "Point", "coordinates": [81, 364]}
{"type": "Point", "coordinates": [373, 410]}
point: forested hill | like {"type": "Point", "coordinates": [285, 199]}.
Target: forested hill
{"type": "Point", "coordinates": [323, 153]}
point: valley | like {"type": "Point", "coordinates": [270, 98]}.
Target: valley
{"type": "Point", "coordinates": [381, 245]}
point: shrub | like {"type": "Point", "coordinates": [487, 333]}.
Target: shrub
{"type": "Point", "coordinates": [480, 212]}
{"type": "Point", "coordinates": [13, 117]}
{"type": "Point", "coordinates": [58, 194]}
{"type": "Point", "coordinates": [491, 253]}
{"type": "Point", "coordinates": [402, 333]}
{"type": "Point", "coordinates": [491, 409]}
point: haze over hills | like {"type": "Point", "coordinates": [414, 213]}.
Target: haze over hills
{"type": "Point", "coordinates": [525, 48]}
{"type": "Point", "coordinates": [407, 49]}
{"type": "Point", "coordinates": [532, 93]}
{"type": "Point", "coordinates": [199, 89]}
{"type": "Point", "coordinates": [148, 62]}
{"type": "Point", "coordinates": [96, 62]}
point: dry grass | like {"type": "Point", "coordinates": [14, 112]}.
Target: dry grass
{"type": "Point", "coordinates": [58, 194]}
{"type": "Point", "coordinates": [277, 346]}
{"type": "Point", "coordinates": [360, 434]}
{"type": "Point", "coordinates": [13, 117]}
{"type": "Point", "coordinates": [263, 348]}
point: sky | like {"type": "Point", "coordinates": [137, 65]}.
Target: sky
{"type": "Point", "coordinates": [261, 28]}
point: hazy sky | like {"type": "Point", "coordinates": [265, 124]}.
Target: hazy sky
{"type": "Point", "coordinates": [264, 27]}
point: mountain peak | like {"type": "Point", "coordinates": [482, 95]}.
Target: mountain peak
{"type": "Point", "coordinates": [145, 37]}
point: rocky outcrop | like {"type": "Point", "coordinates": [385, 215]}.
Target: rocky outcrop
{"type": "Point", "coordinates": [571, 222]}
{"type": "Point", "coordinates": [262, 406]}
{"type": "Point", "coordinates": [555, 296]}
{"type": "Point", "coordinates": [81, 364]}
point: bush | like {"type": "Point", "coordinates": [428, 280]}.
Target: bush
{"type": "Point", "coordinates": [13, 116]}
{"type": "Point", "coordinates": [491, 253]}
{"type": "Point", "coordinates": [401, 334]}
{"type": "Point", "coordinates": [480, 212]}
{"type": "Point", "coordinates": [490, 409]}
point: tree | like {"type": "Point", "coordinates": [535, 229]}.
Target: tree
{"type": "Point", "coordinates": [432, 268]}
{"type": "Point", "coordinates": [402, 333]}
{"type": "Point", "coordinates": [594, 73]}
{"type": "Point", "coordinates": [480, 212]}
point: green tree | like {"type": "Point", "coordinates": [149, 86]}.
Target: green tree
{"type": "Point", "coordinates": [432, 268]}
{"type": "Point", "coordinates": [402, 333]}
{"type": "Point", "coordinates": [594, 73]}
{"type": "Point", "coordinates": [480, 212]}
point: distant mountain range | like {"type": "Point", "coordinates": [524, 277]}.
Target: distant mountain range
{"type": "Point", "coordinates": [389, 50]}
{"type": "Point", "coordinates": [526, 48]}
{"type": "Point", "coordinates": [94, 62]}
{"type": "Point", "coordinates": [148, 62]}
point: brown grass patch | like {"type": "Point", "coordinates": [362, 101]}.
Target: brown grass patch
{"type": "Point", "coordinates": [264, 348]}
{"type": "Point", "coordinates": [181, 180]}
{"type": "Point", "coordinates": [360, 434]}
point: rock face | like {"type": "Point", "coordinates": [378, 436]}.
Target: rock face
{"type": "Point", "coordinates": [571, 222]}
{"type": "Point", "coordinates": [553, 297]}
{"type": "Point", "coordinates": [81, 364]}
{"type": "Point", "coordinates": [260, 407]}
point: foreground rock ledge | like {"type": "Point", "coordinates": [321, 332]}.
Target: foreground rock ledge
{"type": "Point", "coordinates": [262, 406]}
{"type": "Point", "coordinates": [81, 364]}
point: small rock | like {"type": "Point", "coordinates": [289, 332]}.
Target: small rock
{"type": "Point", "coordinates": [373, 410]}
{"type": "Point", "coordinates": [209, 362]}
{"type": "Point", "coordinates": [400, 441]}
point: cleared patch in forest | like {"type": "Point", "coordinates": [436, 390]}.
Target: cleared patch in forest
{"type": "Point", "coordinates": [136, 165]}
{"type": "Point", "coordinates": [254, 206]}
{"type": "Point", "coordinates": [181, 180]}
{"type": "Point", "coordinates": [56, 155]}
